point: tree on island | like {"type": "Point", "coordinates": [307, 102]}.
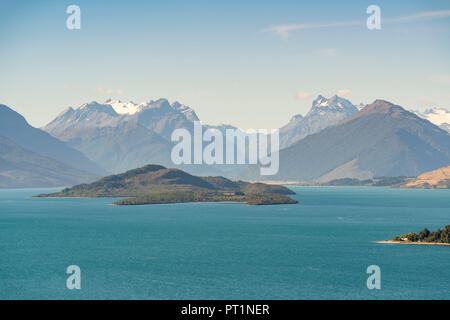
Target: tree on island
{"type": "Point", "coordinates": [439, 236]}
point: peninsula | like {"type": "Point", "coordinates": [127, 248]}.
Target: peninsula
{"type": "Point", "coordinates": [155, 184]}
{"type": "Point", "coordinates": [436, 179]}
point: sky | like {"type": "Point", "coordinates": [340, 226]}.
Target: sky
{"type": "Point", "coordinates": [252, 64]}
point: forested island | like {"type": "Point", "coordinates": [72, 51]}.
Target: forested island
{"type": "Point", "coordinates": [441, 237]}
{"type": "Point", "coordinates": [154, 184]}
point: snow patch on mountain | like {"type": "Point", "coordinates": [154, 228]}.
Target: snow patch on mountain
{"type": "Point", "coordinates": [323, 113]}
{"type": "Point", "coordinates": [437, 116]}
{"type": "Point", "coordinates": [335, 103]}
{"type": "Point", "coordinates": [131, 108]}
{"type": "Point", "coordinates": [360, 106]}
{"type": "Point", "coordinates": [122, 107]}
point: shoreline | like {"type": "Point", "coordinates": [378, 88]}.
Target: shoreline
{"type": "Point", "coordinates": [409, 242]}
{"type": "Point", "coordinates": [144, 204]}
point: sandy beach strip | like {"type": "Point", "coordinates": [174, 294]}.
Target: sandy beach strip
{"type": "Point", "coordinates": [424, 243]}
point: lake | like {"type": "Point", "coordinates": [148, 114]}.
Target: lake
{"type": "Point", "coordinates": [317, 249]}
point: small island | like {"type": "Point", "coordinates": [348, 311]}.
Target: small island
{"type": "Point", "coordinates": [155, 184]}
{"type": "Point", "coordinates": [439, 237]}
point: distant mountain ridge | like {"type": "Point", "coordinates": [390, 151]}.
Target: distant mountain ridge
{"type": "Point", "coordinates": [22, 168]}
{"type": "Point", "coordinates": [124, 135]}
{"type": "Point", "coordinates": [156, 115]}
{"type": "Point", "coordinates": [324, 113]}
{"type": "Point", "coordinates": [14, 127]}
{"type": "Point", "coordinates": [335, 140]}
{"type": "Point", "coordinates": [382, 139]}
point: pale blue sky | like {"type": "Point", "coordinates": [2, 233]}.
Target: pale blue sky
{"type": "Point", "coordinates": [222, 58]}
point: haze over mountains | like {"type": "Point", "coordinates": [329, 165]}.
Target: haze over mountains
{"type": "Point", "coordinates": [335, 139]}
{"type": "Point", "coordinates": [14, 127]}
{"type": "Point", "coordinates": [382, 139]}
{"type": "Point", "coordinates": [122, 136]}
{"type": "Point", "coordinates": [30, 157]}
{"type": "Point", "coordinates": [22, 168]}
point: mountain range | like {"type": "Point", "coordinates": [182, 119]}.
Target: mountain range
{"type": "Point", "coordinates": [334, 140]}
{"type": "Point", "coordinates": [125, 135]}
{"type": "Point", "coordinates": [122, 136]}
{"type": "Point", "coordinates": [382, 139]}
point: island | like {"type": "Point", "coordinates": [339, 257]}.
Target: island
{"type": "Point", "coordinates": [155, 184]}
{"type": "Point", "coordinates": [439, 237]}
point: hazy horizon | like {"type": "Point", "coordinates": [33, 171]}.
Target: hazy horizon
{"type": "Point", "coordinates": [228, 61]}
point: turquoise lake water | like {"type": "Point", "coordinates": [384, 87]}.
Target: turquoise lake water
{"type": "Point", "coordinates": [318, 249]}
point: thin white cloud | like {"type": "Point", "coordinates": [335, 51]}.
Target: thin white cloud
{"type": "Point", "coordinates": [343, 92]}
{"type": "Point", "coordinates": [285, 30]}
{"type": "Point", "coordinates": [303, 95]}
{"type": "Point", "coordinates": [438, 14]}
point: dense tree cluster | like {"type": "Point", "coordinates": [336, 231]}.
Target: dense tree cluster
{"type": "Point", "coordinates": [439, 236]}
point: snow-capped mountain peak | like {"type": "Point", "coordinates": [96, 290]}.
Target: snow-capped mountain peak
{"type": "Point", "coordinates": [95, 107]}
{"type": "Point", "coordinates": [437, 116]}
{"type": "Point", "coordinates": [360, 106]}
{"type": "Point", "coordinates": [123, 107]}
{"type": "Point", "coordinates": [323, 113]}
{"type": "Point", "coordinates": [131, 108]}
{"type": "Point", "coordinates": [320, 101]}
{"type": "Point", "coordinates": [187, 111]}
{"type": "Point", "coordinates": [335, 104]}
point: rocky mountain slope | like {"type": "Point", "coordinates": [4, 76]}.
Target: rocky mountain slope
{"type": "Point", "coordinates": [124, 135]}
{"type": "Point", "coordinates": [324, 113]}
